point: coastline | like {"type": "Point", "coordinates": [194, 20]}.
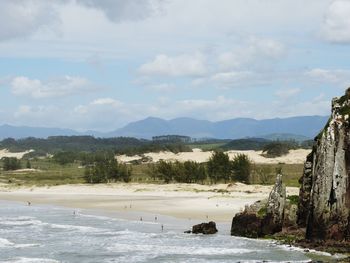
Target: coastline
{"type": "Point", "coordinates": [218, 203]}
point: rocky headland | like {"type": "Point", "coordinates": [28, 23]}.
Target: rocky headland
{"type": "Point", "coordinates": [320, 217]}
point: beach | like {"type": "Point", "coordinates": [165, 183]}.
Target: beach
{"type": "Point", "coordinates": [184, 201]}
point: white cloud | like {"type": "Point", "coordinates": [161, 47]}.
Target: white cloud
{"type": "Point", "coordinates": [338, 77]}
{"type": "Point", "coordinates": [183, 65]}
{"type": "Point", "coordinates": [231, 77]}
{"type": "Point", "coordinates": [287, 93]}
{"type": "Point", "coordinates": [20, 18]}
{"type": "Point", "coordinates": [336, 25]}
{"type": "Point", "coordinates": [67, 85]}
{"type": "Point", "coordinates": [257, 51]}
{"type": "Point", "coordinates": [121, 10]}
{"type": "Point", "coordinates": [161, 87]}
{"type": "Point", "coordinates": [106, 101]}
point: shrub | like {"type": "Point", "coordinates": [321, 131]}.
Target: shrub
{"type": "Point", "coordinates": [219, 167]}
{"type": "Point", "coordinates": [276, 149]}
{"type": "Point", "coordinates": [11, 163]}
{"type": "Point", "coordinates": [242, 167]}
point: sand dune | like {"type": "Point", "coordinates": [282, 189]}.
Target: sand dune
{"type": "Point", "coordinates": [18, 155]}
{"type": "Point", "coordinates": [294, 156]}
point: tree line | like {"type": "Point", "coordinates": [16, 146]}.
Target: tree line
{"type": "Point", "coordinates": [219, 168]}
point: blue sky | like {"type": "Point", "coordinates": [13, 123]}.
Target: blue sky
{"type": "Point", "coordinates": [99, 64]}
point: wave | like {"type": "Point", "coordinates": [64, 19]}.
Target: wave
{"type": "Point", "coordinates": [177, 250]}
{"type": "Point", "coordinates": [32, 221]}
{"type": "Point", "coordinates": [29, 260]}
{"type": "Point", "coordinates": [86, 229]}
{"type": "Point", "coordinates": [5, 243]}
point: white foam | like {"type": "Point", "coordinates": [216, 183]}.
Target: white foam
{"type": "Point", "coordinates": [30, 260]}
{"type": "Point", "coordinates": [20, 222]}
{"type": "Point", "coordinates": [86, 229]}
{"type": "Point", "coordinates": [5, 243]}
{"type": "Point", "coordinates": [177, 250]}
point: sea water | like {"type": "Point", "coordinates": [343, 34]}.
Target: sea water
{"type": "Point", "coordinates": [39, 233]}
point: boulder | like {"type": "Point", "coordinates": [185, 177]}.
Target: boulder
{"type": "Point", "coordinates": [205, 228]}
{"type": "Point", "coordinates": [246, 224]}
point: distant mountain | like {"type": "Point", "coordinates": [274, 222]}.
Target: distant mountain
{"type": "Point", "coordinates": [305, 126]}
{"type": "Point", "coordinates": [295, 127]}
{"type": "Point", "coordinates": [16, 132]}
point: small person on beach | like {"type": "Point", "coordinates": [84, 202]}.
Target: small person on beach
{"type": "Point", "coordinates": [155, 218]}
{"type": "Point", "coordinates": [162, 227]}
{"type": "Point", "coordinates": [29, 203]}
{"type": "Point", "coordinates": [141, 218]}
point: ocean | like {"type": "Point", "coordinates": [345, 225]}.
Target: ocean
{"type": "Point", "coordinates": [41, 233]}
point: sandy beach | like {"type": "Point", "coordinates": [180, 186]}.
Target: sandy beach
{"type": "Point", "coordinates": [293, 157]}
{"type": "Point", "coordinates": [186, 201]}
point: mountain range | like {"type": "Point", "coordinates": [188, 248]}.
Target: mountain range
{"type": "Point", "coordinates": [303, 127]}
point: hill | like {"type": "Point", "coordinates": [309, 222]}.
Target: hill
{"type": "Point", "coordinates": [305, 126]}
{"type": "Point", "coordinates": [295, 127]}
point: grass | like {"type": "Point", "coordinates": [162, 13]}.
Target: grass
{"type": "Point", "coordinates": [49, 173]}
{"type": "Point", "coordinates": [291, 173]}
{"type": "Point", "coordinates": [52, 173]}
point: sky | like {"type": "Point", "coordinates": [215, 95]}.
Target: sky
{"type": "Point", "coordinates": [100, 64]}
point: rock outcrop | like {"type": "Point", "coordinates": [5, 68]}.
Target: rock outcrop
{"type": "Point", "coordinates": [262, 218]}
{"type": "Point", "coordinates": [204, 228]}
{"type": "Point", "coordinates": [324, 199]}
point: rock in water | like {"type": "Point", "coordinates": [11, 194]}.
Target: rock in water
{"type": "Point", "coordinates": [324, 198]}
{"type": "Point", "coordinates": [262, 218]}
{"type": "Point", "coordinates": [205, 228]}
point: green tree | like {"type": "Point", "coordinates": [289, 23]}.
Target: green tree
{"type": "Point", "coordinates": [28, 165]}
{"type": "Point", "coordinates": [242, 168]}
{"type": "Point", "coordinates": [164, 171]}
{"type": "Point", "coordinates": [276, 149]}
{"type": "Point", "coordinates": [106, 170]}
{"type": "Point", "coordinates": [11, 163]}
{"type": "Point", "coordinates": [219, 167]}
{"type": "Point", "coordinates": [64, 158]}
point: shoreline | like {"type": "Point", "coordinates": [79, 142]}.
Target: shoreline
{"type": "Point", "coordinates": [181, 224]}
{"type": "Point", "coordinates": [217, 203]}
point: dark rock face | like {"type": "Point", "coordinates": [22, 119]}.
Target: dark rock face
{"type": "Point", "coordinates": [261, 219]}
{"type": "Point", "coordinates": [324, 199]}
{"type": "Point", "coordinates": [205, 228]}
{"type": "Point", "coordinates": [247, 225]}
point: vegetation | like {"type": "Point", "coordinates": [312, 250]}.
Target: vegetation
{"type": "Point", "coordinates": [78, 144]}
{"type": "Point", "coordinates": [11, 163]}
{"type": "Point", "coordinates": [277, 149]}
{"type": "Point", "coordinates": [242, 168]}
{"type": "Point", "coordinates": [246, 144]}
{"type": "Point", "coordinates": [106, 171]}
{"type": "Point", "coordinates": [293, 199]}
{"type": "Point", "coordinates": [46, 171]}
{"type": "Point", "coordinates": [258, 144]}
{"type": "Point", "coordinates": [219, 167]}
{"type": "Point", "coordinates": [187, 172]}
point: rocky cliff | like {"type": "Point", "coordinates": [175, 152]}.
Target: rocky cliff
{"type": "Point", "coordinates": [324, 199]}
{"type": "Point", "coordinates": [263, 217]}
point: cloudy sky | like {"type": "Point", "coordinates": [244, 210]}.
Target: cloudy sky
{"type": "Point", "coordinates": [99, 64]}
